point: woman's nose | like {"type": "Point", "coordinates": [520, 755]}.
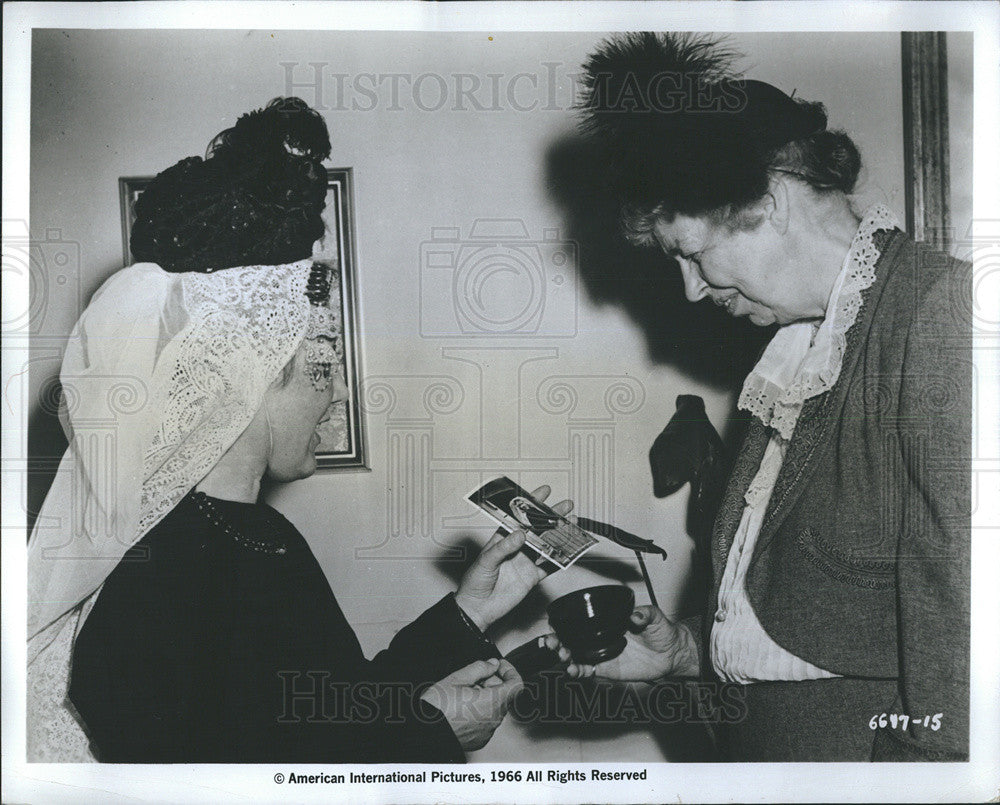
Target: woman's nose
{"type": "Point", "coordinates": [695, 287]}
{"type": "Point", "coordinates": [340, 390]}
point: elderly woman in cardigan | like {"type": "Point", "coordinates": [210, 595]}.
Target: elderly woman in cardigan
{"type": "Point", "coordinates": [840, 603]}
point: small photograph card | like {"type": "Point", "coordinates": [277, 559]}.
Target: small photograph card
{"type": "Point", "coordinates": [552, 540]}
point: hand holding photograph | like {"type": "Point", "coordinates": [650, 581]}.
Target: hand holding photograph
{"type": "Point", "coordinates": [554, 541]}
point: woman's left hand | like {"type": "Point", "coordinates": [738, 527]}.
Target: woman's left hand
{"type": "Point", "coordinates": [501, 575]}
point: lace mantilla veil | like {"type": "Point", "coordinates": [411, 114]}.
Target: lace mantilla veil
{"type": "Point", "coordinates": [161, 375]}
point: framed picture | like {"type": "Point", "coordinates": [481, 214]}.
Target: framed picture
{"type": "Point", "coordinates": [342, 444]}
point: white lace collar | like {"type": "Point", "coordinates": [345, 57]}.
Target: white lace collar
{"type": "Point", "coordinates": [803, 360]}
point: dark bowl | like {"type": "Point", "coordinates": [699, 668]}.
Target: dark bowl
{"type": "Point", "coordinates": [592, 622]}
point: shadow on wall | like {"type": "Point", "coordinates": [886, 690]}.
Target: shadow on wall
{"type": "Point", "coordinates": [699, 340]}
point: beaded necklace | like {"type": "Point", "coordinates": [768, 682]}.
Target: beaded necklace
{"type": "Point", "coordinates": [211, 512]}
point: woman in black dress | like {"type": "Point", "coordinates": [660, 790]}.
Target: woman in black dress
{"type": "Point", "coordinates": [195, 620]}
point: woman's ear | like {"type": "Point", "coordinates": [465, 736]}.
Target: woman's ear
{"type": "Point", "coordinates": [777, 203]}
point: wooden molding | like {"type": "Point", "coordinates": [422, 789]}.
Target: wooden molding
{"type": "Point", "coordinates": [925, 133]}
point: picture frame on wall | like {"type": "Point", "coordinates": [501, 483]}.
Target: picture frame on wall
{"type": "Point", "coordinates": [342, 437]}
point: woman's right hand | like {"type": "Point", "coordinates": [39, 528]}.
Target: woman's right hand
{"type": "Point", "coordinates": [474, 699]}
{"type": "Point", "coordinates": [656, 648]}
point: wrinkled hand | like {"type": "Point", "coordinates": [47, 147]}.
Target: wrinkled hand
{"type": "Point", "coordinates": [656, 648]}
{"type": "Point", "coordinates": [501, 576]}
{"type": "Point", "coordinates": [474, 699]}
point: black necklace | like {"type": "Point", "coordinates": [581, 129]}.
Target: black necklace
{"type": "Point", "coordinates": [205, 505]}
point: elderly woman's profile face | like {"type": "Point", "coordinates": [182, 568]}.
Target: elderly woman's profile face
{"type": "Point", "coordinates": [295, 411]}
{"type": "Point", "coordinates": [742, 271]}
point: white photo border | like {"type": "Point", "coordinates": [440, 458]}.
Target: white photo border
{"type": "Point", "coordinates": [974, 781]}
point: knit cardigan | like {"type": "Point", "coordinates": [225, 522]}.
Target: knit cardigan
{"type": "Point", "coordinates": [862, 564]}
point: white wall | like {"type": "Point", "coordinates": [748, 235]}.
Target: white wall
{"type": "Point", "coordinates": [960, 136]}
{"type": "Point", "coordinates": [110, 104]}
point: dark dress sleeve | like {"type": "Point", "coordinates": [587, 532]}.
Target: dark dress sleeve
{"type": "Point", "coordinates": [205, 651]}
{"type": "Point", "coordinates": [171, 697]}
{"type": "Point", "coordinates": [439, 642]}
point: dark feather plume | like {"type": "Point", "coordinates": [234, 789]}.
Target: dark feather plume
{"type": "Point", "coordinates": [617, 77]}
{"type": "Point", "coordinates": [679, 128]}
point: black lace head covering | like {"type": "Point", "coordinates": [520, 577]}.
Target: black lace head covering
{"type": "Point", "coordinates": [256, 199]}
{"type": "Point", "coordinates": [679, 130]}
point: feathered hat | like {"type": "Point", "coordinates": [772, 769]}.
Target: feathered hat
{"type": "Point", "coordinates": [680, 129]}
